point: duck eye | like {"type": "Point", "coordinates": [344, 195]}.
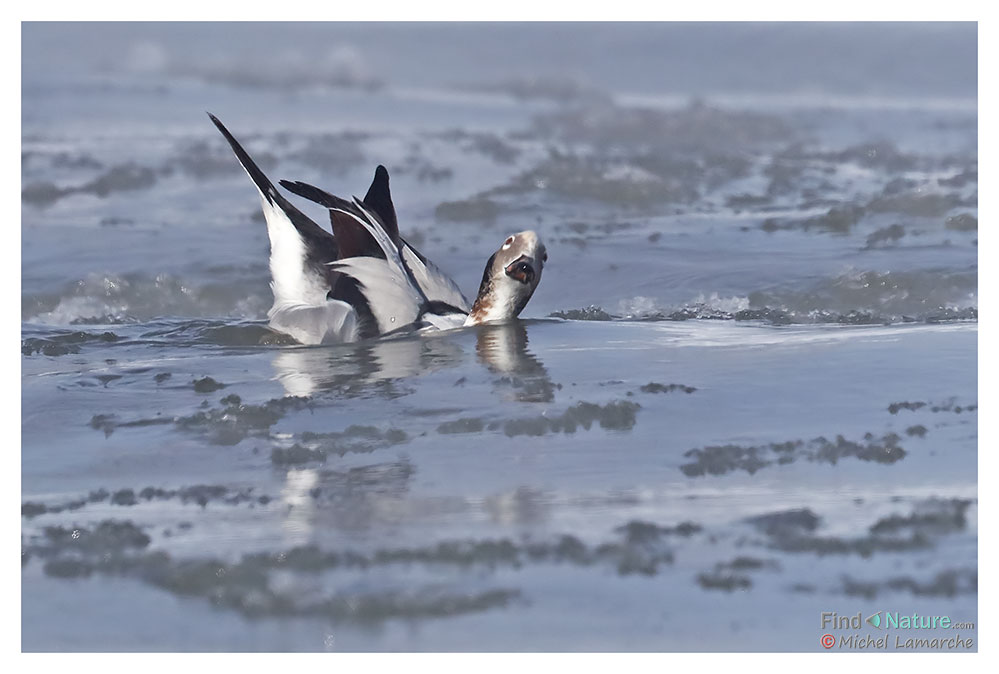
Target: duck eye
{"type": "Point", "coordinates": [544, 258]}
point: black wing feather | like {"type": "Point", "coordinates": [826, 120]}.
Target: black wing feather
{"type": "Point", "coordinates": [353, 239]}
{"type": "Point", "coordinates": [379, 200]}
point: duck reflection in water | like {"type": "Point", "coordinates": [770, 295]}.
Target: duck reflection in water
{"type": "Point", "coordinates": [372, 368]}
{"type": "Point", "coordinates": [502, 348]}
{"type": "Point", "coordinates": [379, 367]}
{"type": "Point", "coordinates": [351, 499]}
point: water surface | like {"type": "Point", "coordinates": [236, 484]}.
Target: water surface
{"type": "Point", "coordinates": [744, 393]}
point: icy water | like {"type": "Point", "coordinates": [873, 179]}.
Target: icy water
{"type": "Point", "coordinates": [744, 394]}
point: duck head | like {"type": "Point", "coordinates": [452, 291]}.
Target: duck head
{"type": "Point", "coordinates": [511, 276]}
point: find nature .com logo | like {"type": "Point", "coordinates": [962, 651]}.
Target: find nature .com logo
{"type": "Point", "coordinates": [885, 621]}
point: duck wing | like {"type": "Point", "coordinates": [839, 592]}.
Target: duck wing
{"type": "Point", "coordinates": [436, 285]}
{"type": "Point", "coordinates": [394, 297]}
{"type": "Point", "coordinates": [352, 238]}
{"type": "Point", "coordinates": [355, 241]}
{"type": "Point", "coordinates": [378, 200]}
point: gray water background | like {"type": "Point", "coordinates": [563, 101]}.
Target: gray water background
{"type": "Point", "coordinates": [745, 392]}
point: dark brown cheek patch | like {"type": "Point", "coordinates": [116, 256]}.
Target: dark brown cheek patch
{"type": "Point", "coordinates": [515, 271]}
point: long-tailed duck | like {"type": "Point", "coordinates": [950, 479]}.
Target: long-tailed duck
{"type": "Point", "coordinates": [364, 279]}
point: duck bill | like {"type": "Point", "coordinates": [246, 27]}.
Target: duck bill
{"type": "Point", "coordinates": [522, 270]}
